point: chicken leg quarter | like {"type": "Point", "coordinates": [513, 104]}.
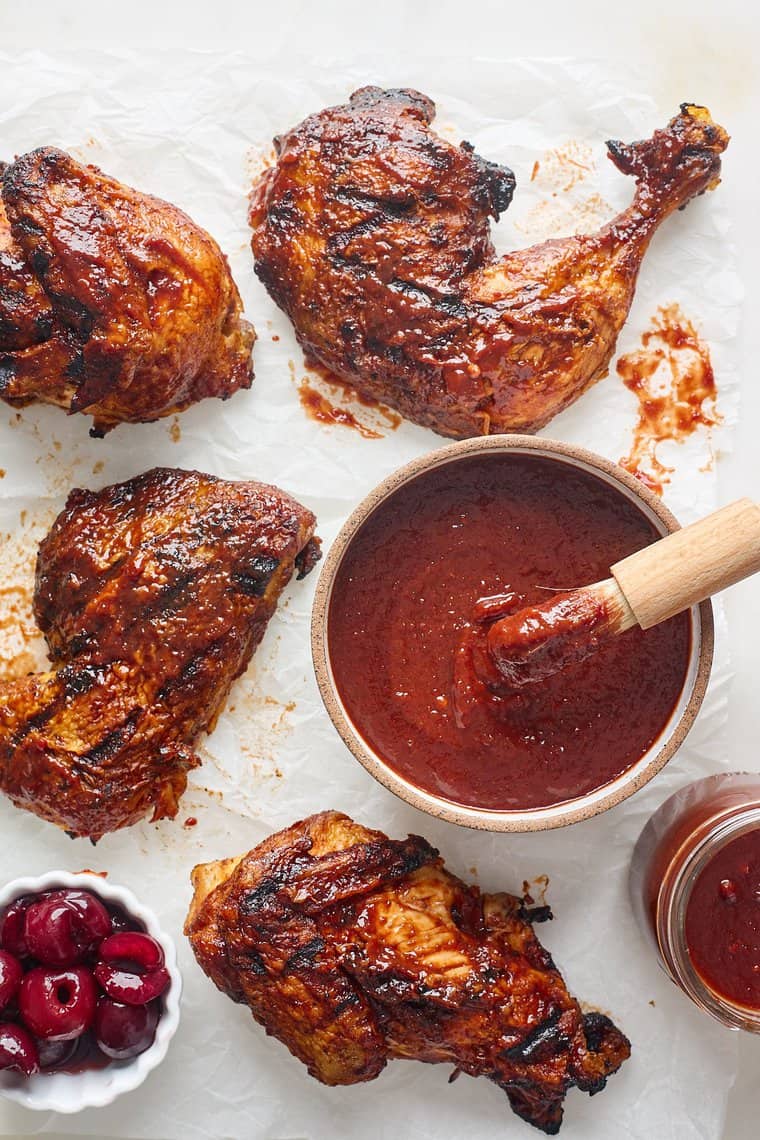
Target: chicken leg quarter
{"type": "Point", "coordinates": [372, 233]}
{"type": "Point", "coordinates": [354, 949]}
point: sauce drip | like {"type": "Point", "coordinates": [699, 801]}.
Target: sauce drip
{"type": "Point", "coordinates": [22, 646]}
{"type": "Point", "coordinates": [672, 377]}
{"type": "Point", "coordinates": [496, 525]}
{"type": "Point", "coordinates": [722, 926]}
{"type": "Point", "coordinates": [322, 406]}
{"type": "Point", "coordinates": [319, 408]}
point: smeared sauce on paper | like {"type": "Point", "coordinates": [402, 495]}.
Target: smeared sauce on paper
{"type": "Point", "coordinates": [564, 166]}
{"type": "Point", "coordinates": [672, 377]}
{"type": "Point", "coordinates": [258, 160]}
{"type": "Point", "coordinates": [22, 646]}
{"type": "Point", "coordinates": [318, 407]}
{"type": "Point", "coordinates": [325, 398]}
{"type": "Point", "coordinates": [565, 206]}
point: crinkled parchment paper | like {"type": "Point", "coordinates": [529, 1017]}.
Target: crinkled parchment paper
{"type": "Point", "coordinates": [194, 128]}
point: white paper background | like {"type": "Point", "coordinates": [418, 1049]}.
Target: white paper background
{"type": "Point", "coordinates": [192, 128]}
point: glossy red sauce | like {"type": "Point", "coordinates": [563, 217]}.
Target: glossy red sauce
{"type": "Point", "coordinates": [722, 926]}
{"type": "Point", "coordinates": [537, 641]}
{"type": "Point", "coordinates": [319, 408]}
{"type": "Point", "coordinates": [672, 377]}
{"type": "Point", "coordinates": [403, 596]}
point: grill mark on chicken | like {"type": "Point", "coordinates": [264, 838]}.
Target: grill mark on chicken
{"type": "Point", "coordinates": [138, 594]}
{"type": "Point", "coordinates": [305, 955]}
{"type": "Point", "coordinates": [366, 949]}
{"type": "Point", "coordinates": [256, 579]}
{"type": "Point", "coordinates": [261, 896]}
{"type": "Point", "coordinates": [254, 962]}
{"type": "Point", "coordinates": [86, 591]}
{"type": "Point", "coordinates": [189, 670]}
{"type": "Point", "coordinates": [540, 1041]}
{"type": "Point", "coordinates": [387, 206]}
{"type": "Point", "coordinates": [369, 217]}
{"type": "Point", "coordinates": [112, 743]}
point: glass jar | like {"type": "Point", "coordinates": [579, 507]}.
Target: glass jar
{"type": "Point", "coordinates": [680, 840]}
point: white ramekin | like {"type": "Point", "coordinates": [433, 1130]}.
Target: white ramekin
{"type": "Point", "coordinates": [94, 1088]}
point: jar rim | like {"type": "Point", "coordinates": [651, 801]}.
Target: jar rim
{"type": "Point", "coordinates": [671, 920]}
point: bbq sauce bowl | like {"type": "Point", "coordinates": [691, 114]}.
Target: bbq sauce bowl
{"type": "Point", "coordinates": [478, 518]}
{"type": "Point", "coordinates": [94, 1087]}
{"type": "Point", "coordinates": [695, 890]}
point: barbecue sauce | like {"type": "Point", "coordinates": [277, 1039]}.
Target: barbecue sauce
{"type": "Point", "coordinates": [536, 642]}
{"type": "Point", "coordinates": [672, 377]}
{"type": "Point", "coordinates": [402, 600]}
{"type": "Point", "coordinates": [722, 926]}
{"type": "Point", "coordinates": [319, 408]}
{"type": "Point", "coordinates": [328, 407]}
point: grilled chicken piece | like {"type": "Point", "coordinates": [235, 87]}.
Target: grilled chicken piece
{"type": "Point", "coordinates": [353, 949]}
{"type": "Point", "coordinates": [112, 302]}
{"type": "Point", "coordinates": [372, 233]}
{"type": "Point", "coordinates": [153, 595]}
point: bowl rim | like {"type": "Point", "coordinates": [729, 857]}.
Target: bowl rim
{"type": "Point", "coordinates": [534, 819]}
{"type": "Point", "coordinates": [72, 1092]}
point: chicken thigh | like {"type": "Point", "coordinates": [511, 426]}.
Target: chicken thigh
{"type": "Point", "coordinates": [112, 302]}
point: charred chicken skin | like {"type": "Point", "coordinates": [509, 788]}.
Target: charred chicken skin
{"type": "Point", "coordinates": [354, 949]}
{"type": "Point", "coordinates": [372, 233]}
{"type": "Point", "coordinates": [112, 302]}
{"type": "Point", "coordinates": [153, 595]}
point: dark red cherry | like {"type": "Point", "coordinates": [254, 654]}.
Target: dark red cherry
{"type": "Point", "coordinates": [57, 1004]}
{"type": "Point", "coordinates": [95, 915]}
{"type": "Point", "coordinates": [120, 921]}
{"type": "Point", "coordinates": [131, 969]}
{"type": "Point", "coordinates": [12, 927]}
{"type": "Point", "coordinates": [18, 1049]}
{"type": "Point", "coordinates": [55, 1054]}
{"type": "Point", "coordinates": [128, 987]}
{"type": "Point", "coordinates": [132, 948]}
{"type": "Point", "coordinates": [61, 929]}
{"type": "Point", "coordinates": [123, 1031]}
{"type": "Point", "coordinates": [11, 974]}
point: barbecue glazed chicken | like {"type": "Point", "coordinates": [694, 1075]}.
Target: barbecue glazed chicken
{"type": "Point", "coordinates": [112, 303]}
{"type": "Point", "coordinates": [354, 949]}
{"type": "Point", "coordinates": [372, 233]}
{"type": "Point", "coordinates": [153, 595]}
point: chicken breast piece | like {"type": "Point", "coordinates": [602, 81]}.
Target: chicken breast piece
{"type": "Point", "coordinates": [153, 595]}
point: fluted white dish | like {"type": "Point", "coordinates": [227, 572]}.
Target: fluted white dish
{"type": "Point", "coordinates": [94, 1088]}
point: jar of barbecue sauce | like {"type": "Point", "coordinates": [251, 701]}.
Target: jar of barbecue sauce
{"type": "Point", "coordinates": [695, 889]}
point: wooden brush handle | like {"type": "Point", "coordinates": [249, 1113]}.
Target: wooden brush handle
{"type": "Point", "coordinates": [691, 564]}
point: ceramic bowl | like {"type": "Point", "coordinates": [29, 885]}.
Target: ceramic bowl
{"type": "Point", "coordinates": [94, 1088]}
{"type": "Point", "coordinates": [534, 819]}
